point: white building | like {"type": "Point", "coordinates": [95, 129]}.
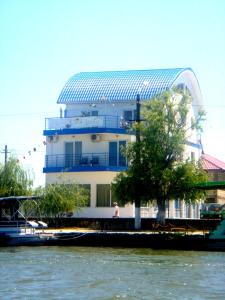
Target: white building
{"type": "Point", "coordinates": [83, 143]}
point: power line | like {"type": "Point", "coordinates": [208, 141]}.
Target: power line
{"type": "Point", "coordinates": [45, 113]}
{"type": "Point", "coordinates": [29, 114]}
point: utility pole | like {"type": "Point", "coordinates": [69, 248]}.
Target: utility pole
{"type": "Point", "coordinates": [6, 152]}
{"type": "Point", "coordinates": [137, 223]}
{"type": "Point", "coordinates": [138, 158]}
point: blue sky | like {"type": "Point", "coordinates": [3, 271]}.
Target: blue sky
{"type": "Point", "coordinates": [44, 42]}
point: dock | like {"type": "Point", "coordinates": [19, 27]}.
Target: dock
{"type": "Point", "coordinates": [195, 241]}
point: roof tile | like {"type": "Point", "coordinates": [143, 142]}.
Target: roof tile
{"type": "Point", "coordinates": [212, 163]}
{"type": "Point", "coordinates": [117, 85]}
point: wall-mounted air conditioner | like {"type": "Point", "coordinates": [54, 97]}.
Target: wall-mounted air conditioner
{"type": "Point", "coordinates": [95, 137]}
{"type": "Point", "coordinates": [53, 138]}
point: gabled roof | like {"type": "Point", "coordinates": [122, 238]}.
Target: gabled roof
{"type": "Point", "coordinates": [212, 163]}
{"type": "Point", "coordinates": [118, 85]}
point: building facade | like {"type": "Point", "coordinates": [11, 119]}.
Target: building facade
{"type": "Point", "coordinates": [83, 144]}
{"type": "Point", "coordinates": [216, 172]}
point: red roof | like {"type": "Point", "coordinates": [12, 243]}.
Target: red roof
{"type": "Point", "coordinates": [212, 163]}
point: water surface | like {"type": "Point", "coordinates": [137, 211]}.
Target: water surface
{"type": "Point", "coordinates": [110, 273]}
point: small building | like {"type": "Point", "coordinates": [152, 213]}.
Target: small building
{"type": "Point", "coordinates": [83, 144]}
{"type": "Point", "coordinates": [216, 172]}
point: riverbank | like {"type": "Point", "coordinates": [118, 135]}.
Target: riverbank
{"type": "Point", "coordinates": [196, 241]}
{"type": "Point", "coordinates": [177, 240]}
{"type": "Point", "coordinates": [170, 236]}
{"type": "Point", "coordinates": [127, 224]}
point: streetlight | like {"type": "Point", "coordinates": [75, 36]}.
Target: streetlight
{"type": "Point", "coordinates": [137, 224]}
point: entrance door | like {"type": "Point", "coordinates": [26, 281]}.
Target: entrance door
{"type": "Point", "coordinates": [68, 154]}
{"type": "Point", "coordinates": [78, 152]}
{"type": "Point", "coordinates": [122, 159]}
{"type": "Point", "coordinates": [112, 153]}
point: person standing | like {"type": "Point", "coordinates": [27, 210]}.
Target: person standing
{"type": "Point", "coordinates": [117, 210]}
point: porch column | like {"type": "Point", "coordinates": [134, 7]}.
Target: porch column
{"type": "Point", "coordinates": [182, 209]}
{"type": "Point", "coordinates": [171, 208]}
{"type": "Point", "coordinates": [93, 195]}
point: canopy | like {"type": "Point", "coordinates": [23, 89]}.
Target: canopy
{"type": "Point", "coordinates": [211, 185]}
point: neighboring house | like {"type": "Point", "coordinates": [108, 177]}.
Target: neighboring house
{"type": "Point", "coordinates": [216, 172]}
{"type": "Point", "coordinates": [84, 143]}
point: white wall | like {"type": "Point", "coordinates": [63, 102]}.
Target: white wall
{"type": "Point", "coordinates": [115, 108]}
{"type": "Point", "coordinates": [92, 178]}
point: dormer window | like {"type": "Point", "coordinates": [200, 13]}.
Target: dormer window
{"type": "Point", "coordinates": [128, 115]}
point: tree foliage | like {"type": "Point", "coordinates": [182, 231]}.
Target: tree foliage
{"type": "Point", "coordinates": [162, 172]}
{"type": "Point", "coordinates": [14, 180]}
{"type": "Point", "coordinates": [58, 199]}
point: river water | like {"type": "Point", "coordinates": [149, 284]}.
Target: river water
{"type": "Point", "coordinates": [110, 273]}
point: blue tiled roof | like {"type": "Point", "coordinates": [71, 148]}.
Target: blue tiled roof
{"type": "Point", "coordinates": [117, 85]}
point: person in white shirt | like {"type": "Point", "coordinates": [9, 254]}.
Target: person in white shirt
{"type": "Point", "coordinates": [117, 210]}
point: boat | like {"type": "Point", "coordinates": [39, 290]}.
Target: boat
{"type": "Point", "coordinates": [216, 239]}
{"type": "Point", "coordinates": [15, 228]}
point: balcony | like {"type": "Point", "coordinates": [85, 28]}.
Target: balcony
{"type": "Point", "coordinates": [88, 124]}
{"type": "Point", "coordinates": [86, 162]}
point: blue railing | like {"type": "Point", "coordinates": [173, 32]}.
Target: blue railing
{"type": "Point", "coordinates": [86, 160]}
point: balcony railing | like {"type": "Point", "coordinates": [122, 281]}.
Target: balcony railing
{"type": "Point", "coordinates": [86, 122]}
{"type": "Point", "coordinates": [86, 160]}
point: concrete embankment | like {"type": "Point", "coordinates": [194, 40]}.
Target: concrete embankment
{"type": "Point", "coordinates": [111, 233]}
{"type": "Point", "coordinates": [162, 240]}
{"type": "Point", "coordinates": [135, 239]}
{"type": "Point", "coordinates": [127, 224]}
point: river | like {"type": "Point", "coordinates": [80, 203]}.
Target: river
{"type": "Point", "coordinates": [110, 273]}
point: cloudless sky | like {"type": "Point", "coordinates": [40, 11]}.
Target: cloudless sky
{"type": "Point", "coordinates": [44, 42]}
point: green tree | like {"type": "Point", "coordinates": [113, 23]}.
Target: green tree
{"type": "Point", "coordinates": [14, 180]}
{"type": "Point", "coordinates": [58, 199]}
{"type": "Point", "coordinates": [157, 168]}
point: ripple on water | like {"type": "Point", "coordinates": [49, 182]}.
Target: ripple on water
{"type": "Point", "coordinates": [109, 273]}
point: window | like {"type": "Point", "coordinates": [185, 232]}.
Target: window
{"type": "Point", "coordinates": [127, 114]}
{"type": "Point", "coordinates": [94, 113]}
{"type": "Point", "coordinates": [177, 204]}
{"type": "Point", "coordinates": [68, 155]}
{"type": "Point", "coordinates": [113, 153]}
{"type": "Point", "coordinates": [103, 195]}
{"type": "Point", "coordinates": [73, 153]}
{"type": "Point", "coordinates": [87, 189]}
{"type": "Point", "coordinates": [181, 86]}
{"type": "Point", "coordinates": [78, 152]}
{"type": "Point", "coordinates": [122, 158]}
{"type": "Point", "coordinates": [116, 156]}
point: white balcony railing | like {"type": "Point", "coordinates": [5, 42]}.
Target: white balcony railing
{"type": "Point", "coordinates": [84, 122]}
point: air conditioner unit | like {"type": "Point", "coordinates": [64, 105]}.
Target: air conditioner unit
{"type": "Point", "coordinates": [95, 137]}
{"type": "Point", "coordinates": [53, 138]}
{"type": "Point", "coordinates": [50, 138]}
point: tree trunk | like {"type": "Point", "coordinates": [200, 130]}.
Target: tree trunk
{"type": "Point", "coordinates": [137, 223]}
{"type": "Point", "coordinates": [161, 211]}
